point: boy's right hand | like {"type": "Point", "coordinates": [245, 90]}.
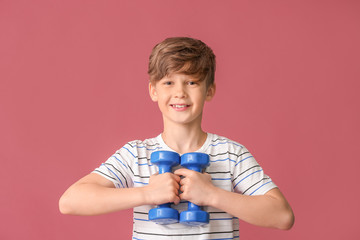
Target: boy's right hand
{"type": "Point", "coordinates": [162, 188]}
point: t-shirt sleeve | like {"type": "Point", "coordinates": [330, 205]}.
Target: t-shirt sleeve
{"type": "Point", "coordinates": [117, 169]}
{"type": "Point", "coordinates": [249, 177]}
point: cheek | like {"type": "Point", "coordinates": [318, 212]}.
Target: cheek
{"type": "Point", "coordinates": [162, 100]}
{"type": "Point", "coordinates": [202, 97]}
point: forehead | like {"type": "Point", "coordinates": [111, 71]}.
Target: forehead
{"type": "Point", "coordinates": [181, 76]}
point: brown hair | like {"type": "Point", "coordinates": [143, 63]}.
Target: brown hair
{"type": "Point", "coordinates": [182, 55]}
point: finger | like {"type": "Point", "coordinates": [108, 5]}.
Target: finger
{"type": "Point", "coordinates": [176, 186]}
{"type": "Point", "coordinates": [182, 172]}
{"type": "Point", "coordinates": [183, 181]}
{"type": "Point", "coordinates": [183, 197]}
{"type": "Point", "coordinates": [177, 200]}
{"type": "Point", "coordinates": [176, 177]}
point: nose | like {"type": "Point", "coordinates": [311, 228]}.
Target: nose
{"type": "Point", "coordinates": [179, 91]}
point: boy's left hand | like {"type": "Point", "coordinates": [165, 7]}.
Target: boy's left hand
{"type": "Point", "coordinates": [196, 187]}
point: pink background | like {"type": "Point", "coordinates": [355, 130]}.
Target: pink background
{"type": "Point", "coordinates": [74, 90]}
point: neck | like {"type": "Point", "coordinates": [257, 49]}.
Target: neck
{"type": "Point", "coordinates": [183, 138]}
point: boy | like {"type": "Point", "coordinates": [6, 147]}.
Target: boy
{"type": "Point", "coordinates": [233, 187]}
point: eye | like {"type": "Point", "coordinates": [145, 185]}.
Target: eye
{"type": "Point", "coordinates": [167, 83]}
{"type": "Point", "coordinates": [192, 83]}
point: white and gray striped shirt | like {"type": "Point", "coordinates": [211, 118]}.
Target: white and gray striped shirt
{"type": "Point", "coordinates": [232, 168]}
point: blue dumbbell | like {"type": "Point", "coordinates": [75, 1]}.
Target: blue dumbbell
{"type": "Point", "coordinates": [164, 214]}
{"type": "Point", "coordinates": [194, 216]}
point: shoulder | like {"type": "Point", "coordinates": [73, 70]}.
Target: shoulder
{"type": "Point", "coordinates": [224, 143]}
{"type": "Point", "coordinates": [149, 144]}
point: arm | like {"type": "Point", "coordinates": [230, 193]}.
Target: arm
{"type": "Point", "coordinates": [269, 210]}
{"type": "Point", "coordinates": [94, 195]}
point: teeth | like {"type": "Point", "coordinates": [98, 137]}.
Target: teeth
{"type": "Point", "coordinates": [179, 106]}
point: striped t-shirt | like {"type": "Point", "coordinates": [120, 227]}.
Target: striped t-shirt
{"type": "Point", "coordinates": [232, 168]}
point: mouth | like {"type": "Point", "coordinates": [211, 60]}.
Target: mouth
{"type": "Point", "coordinates": [179, 106]}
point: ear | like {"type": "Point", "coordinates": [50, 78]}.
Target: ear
{"type": "Point", "coordinates": [152, 92]}
{"type": "Point", "coordinates": [210, 92]}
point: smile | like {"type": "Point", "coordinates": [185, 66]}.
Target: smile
{"type": "Point", "coordinates": [179, 106]}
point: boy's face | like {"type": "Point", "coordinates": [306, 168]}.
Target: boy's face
{"type": "Point", "coordinates": [181, 97]}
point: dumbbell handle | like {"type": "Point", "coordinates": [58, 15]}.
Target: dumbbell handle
{"type": "Point", "coordinates": [164, 168]}
{"type": "Point", "coordinates": [192, 206]}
